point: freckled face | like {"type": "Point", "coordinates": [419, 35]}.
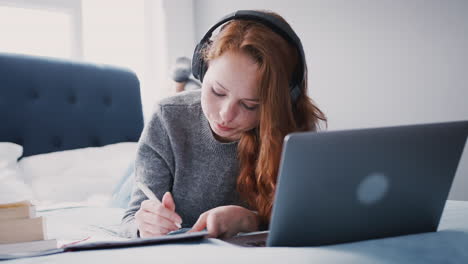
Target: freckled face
{"type": "Point", "coordinates": [230, 95]}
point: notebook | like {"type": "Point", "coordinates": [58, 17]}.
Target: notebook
{"type": "Point", "coordinates": [112, 244]}
{"type": "Point", "coordinates": [31, 246]}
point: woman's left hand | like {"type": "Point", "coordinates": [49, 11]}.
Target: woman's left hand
{"type": "Point", "coordinates": [227, 221]}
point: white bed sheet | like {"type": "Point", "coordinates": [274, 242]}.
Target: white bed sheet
{"type": "Point", "coordinates": [448, 245]}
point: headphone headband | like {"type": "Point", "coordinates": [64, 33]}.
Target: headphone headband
{"type": "Point", "coordinates": [283, 29]}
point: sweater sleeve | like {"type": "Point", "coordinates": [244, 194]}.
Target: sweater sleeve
{"type": "Point", "coordinates": [154, 166]}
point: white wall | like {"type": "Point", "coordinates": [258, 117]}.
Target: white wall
{"type": "Point", "coordinates": [376, 63]}
{"type": "Point", "coordinates": [170, 33]}
{"type": "Point", "coordinates": [180, 28]}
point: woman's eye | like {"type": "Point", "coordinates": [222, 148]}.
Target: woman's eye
{"type": "Point", "coordinates": [215, 93]}
{"type": "Point", "coordinates": [250, 108]}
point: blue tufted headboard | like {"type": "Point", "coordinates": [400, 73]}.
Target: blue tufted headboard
{"type": "Point", "coordinates": [50, 105]}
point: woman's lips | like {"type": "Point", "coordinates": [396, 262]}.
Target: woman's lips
{"type": "Point", "coordinates": [223, 128]}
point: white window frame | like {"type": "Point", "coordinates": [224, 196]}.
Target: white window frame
{"type": "Point", "coordinates": [70, 7]}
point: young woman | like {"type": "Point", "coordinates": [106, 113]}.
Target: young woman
{"type": "Point", "coordinates": [212, 156]}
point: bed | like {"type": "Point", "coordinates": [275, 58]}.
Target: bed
{"type": "Point", "coordinates": [74, 127]}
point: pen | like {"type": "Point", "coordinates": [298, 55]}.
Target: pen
{"type": "Point", "coordinates": [147, 191]}
{"type": "Point", "coordinates": [151, 195]}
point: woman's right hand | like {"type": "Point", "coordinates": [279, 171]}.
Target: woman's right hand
{"type": "Point", "coordinates": [156, 218]}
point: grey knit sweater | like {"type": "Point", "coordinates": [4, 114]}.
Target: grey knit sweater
{"type": "Point", "coordinates": [178, 153]}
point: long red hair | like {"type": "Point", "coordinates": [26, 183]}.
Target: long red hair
{"type": "Point", "coordinates": [259, 150]}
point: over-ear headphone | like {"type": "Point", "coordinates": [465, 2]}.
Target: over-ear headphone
{"type": "Point", "coordinates": [199, 66]}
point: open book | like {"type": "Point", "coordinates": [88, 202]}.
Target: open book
{"type": "Point", "coordinates": [26, 236]}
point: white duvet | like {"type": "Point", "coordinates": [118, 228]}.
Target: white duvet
{"type": "Point", "coordinates": [85, 176]}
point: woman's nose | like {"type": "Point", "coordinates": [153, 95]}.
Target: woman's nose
{"type": "Point", "coordinates": [227, 113]}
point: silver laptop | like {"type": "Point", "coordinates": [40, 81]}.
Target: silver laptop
{"type": "Point", "coordinates": [344, 186]}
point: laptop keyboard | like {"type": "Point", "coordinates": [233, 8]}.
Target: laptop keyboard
{"type": "Point", "coordinates": [256, 244]}
{"type": "Point", "coordinates": [254, 239]}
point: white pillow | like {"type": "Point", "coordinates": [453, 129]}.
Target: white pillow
{"type": "Point", "coordinates": [12, 187]}
{"type": "Point", "coordinates": [86, 175]}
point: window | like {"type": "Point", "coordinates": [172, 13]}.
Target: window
{"type": "Point", "coordinates": [45, 28]}
{"type": "Point", "coordinates": [125, 33]}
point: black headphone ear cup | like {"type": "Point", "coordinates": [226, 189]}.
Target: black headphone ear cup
{"type": "Point", "coordinates": [197, 59]}
{"type": "Point", "coordinates": [203, 68]}
{"type": "Point", "coordinates": [295, 92]}
{"type": "Point", "coordinates": [199, 66]}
